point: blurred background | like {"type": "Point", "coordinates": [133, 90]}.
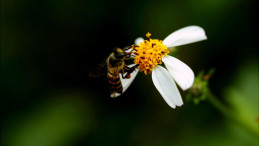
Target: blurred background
{"type": "Point", "coordinates": [48, 48]}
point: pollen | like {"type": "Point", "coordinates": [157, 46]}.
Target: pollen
{"type": "Point", "coordinates": [149, 54]}
{"type": "Point", "coordinates": [148, 35]}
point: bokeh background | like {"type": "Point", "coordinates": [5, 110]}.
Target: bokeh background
{"type": "Point", "coordinates": [49, 46]}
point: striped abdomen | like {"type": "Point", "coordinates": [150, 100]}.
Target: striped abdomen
{"type": "Point", "coordinates": [115, 82]}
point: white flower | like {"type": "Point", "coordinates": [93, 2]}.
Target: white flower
{"type": "Point", "coordinates": [176, 71]}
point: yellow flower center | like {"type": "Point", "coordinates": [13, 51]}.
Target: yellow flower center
{"type": "Point", "coordinates": [149, 54]}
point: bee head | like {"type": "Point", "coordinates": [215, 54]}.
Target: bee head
{"type": "Point", "coordinates": [119, 53]}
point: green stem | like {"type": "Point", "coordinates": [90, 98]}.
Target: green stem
{"type": "Point", "coordinates": [217, 104]}
{"type": "Point", "coordinates": [229, 113]}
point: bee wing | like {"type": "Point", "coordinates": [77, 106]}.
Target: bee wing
{"type": "Point", "coordinates": [99, 70]}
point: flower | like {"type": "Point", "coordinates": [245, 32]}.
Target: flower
{"type": "Point", "coordinates": [149, 54]}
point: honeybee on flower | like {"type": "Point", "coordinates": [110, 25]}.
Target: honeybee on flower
{"type": "Point", "coordinates": [151, 53]}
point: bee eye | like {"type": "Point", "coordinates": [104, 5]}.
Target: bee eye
{"type": "Point", "coordinates": [120, 50]}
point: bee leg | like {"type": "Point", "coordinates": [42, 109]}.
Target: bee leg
{"type": "Point", "coordinates": [131, 52]}
{"type": "Point", "coordinates": [134, 46]}
{"type": "Point", "coordinates": [129, 70]}
{"type": "Point", "coordinates": [122, 73]}
{"type": "Point", "coordinates": [127, 48]}
{"type": "Point", "coordinates": [128, 52]}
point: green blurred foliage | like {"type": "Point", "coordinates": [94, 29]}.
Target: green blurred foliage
{"type": "Point", "coordinates": [243, 96]}
{"type": "Point", "coordinates": [48, 48]}
{"type": "Point", "coordinates": [57, 121]}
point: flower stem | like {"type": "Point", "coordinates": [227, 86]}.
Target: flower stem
{"type": "Point", "coordinates": [229, 113]}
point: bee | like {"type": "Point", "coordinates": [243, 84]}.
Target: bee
{"type": "Point", "coordinates": [115, 65]}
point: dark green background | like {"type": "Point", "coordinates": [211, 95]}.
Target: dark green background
{"type": "Point", "coordinates": [48, 48]}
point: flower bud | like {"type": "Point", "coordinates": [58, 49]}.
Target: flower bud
{"type": "Point", "coordinates": [200, 88]}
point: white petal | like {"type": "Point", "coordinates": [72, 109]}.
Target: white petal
{"type": "Point", "coordinates": [186, 35]}
{"type": "Point", "coordinates": [139, 40]}
{"type": "Point", "coordinates": [115, 95]}
{"type": "Point", "coordinates": [183, 74]}
{"type": "Point", "coordinates": [165, 84]}
{"type": "Point", "coordinates": [126, 82]}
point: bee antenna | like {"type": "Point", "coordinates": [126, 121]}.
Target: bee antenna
{"type": "Point", "coordinates": [127, 48]}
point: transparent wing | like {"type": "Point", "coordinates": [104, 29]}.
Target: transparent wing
{"type": "Point", "coordinates": [99, 70]}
